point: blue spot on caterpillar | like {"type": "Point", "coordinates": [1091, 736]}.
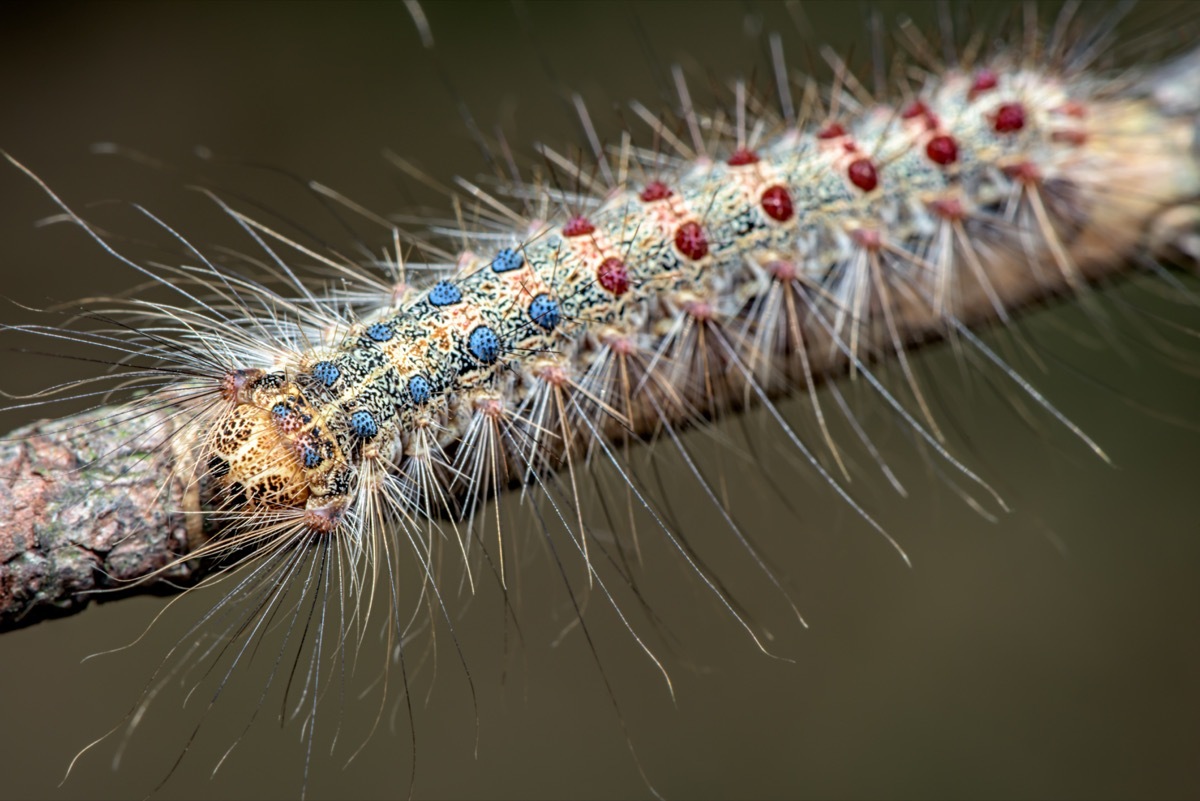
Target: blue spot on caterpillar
{"type": "Point", "coordinates": [326, 372]}
{"type": "Point", "coordinates": [545, 312]}
{"type": "Point", "coordinates": [484, 344]}
{"type": "Point", "coordinates": [507, 260]}
{"type": "Point", "coordinates": [363, 424]}
{"type": "Point", "coordinates": [419, 389]}
{"type": "Point", "coordinates": [380, 332]}
{"type": "Point", "coordinates": [444, 293]}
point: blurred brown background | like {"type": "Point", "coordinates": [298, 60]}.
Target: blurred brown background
{"type": "Point", "coordinates": [1053, 654]}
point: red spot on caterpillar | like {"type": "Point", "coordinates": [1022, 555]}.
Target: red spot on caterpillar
{"type": "Point", "coordinates": [862, 174]}
{"type": "Point", "coordinates": [1072, 137]}
{"type": "Point", "coordinates": [985, 80]}
{"type": "Point", "coordinates": [1072, 108]}
{"type": "Point", "coordinates": [831, 131]}
{"type": "Point", "coordinates": [655, 190]}
{"type": "Point", "coordinates": [741, 157]}
{"type": "Point", "coordinates": [613, 275]}
{"type": "Point", "coordinates": [491, 408]}
{"type": "Point", "coordinates": [867, 238]}
{"type": "Point", "coordinates": [578, 226]}
{"type": "Point", "coordinates": [620, 344]}
{"type": "Point", "coordinates": [1009, 118]}
{"type": "Point", "coordinates": [942, 150]}
{"type": "Point", "coordinates": [948, 208]}
{"type": "Point", "coordinates": [917, 110]}
{"type": "Point", "coordinates": [699, 309]}
{"type": "Point", "coordinates": [777, 203]}
{"type": "Point", "coordinates": [690, 241]}
{"type": "Point", "coordinates": [1025, 171]}
{"type": "Point", "coordinates": [782, 271]}
{"type": "Point", "coordinates": [552, 374]}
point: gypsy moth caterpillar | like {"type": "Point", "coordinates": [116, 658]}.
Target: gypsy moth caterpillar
{"type": "Point", "coordinates": [1024, 632]}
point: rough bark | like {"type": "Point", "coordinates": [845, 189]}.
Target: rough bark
{"type": "Point", "coordinates": [88, 512]}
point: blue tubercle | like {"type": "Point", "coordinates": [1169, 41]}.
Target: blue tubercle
{"type": "Point", "coordinates": [363, 424]}
{"type": "Point", "coordinates": [326, 372]}
{"type": "Point", "coordinates": [444, 293]}
{"type": "Point", "coordinates": [544, 311]}
{"type": "Point", "coordinates": [280, 411]}
{"type": "Point", "coordinates": [507, 260]}
{"type": "Point", "coordinates": [419, 389]}
{"type": "Point", "coordinates": [380, 332]}
{"type": "Point", "coordinates": [484, 344]}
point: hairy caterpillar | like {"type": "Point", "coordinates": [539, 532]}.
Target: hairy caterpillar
{"type": "Point", "coordinates": [794, 688]}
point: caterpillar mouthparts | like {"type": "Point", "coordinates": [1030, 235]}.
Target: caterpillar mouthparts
{"type": "Point", "coordinates": [334, 445]}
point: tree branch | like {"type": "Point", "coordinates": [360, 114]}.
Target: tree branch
{"type": "Point", "coordinates": [86, 510]}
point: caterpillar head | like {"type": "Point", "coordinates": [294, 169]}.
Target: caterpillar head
{"type": "Point", "coordinates": [272, 451]}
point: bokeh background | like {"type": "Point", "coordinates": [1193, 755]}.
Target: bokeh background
{"type": "Point", "coordinates": [1050, 654]}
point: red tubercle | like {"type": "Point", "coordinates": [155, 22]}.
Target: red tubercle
{"type": "Point", "coordinates": [867, 238]}
{"type": "Point", "coordinates": [1071, 108]}
{"type": "Point", "coordinates": [1071, 137]}
{"type": "Point", "coordinates": [613, 275]}
{"type": "Point", "coordinates": [777, 203]}
{"type": "Point", "coordinates": [699, 309]}
{"type": "Point", "coordinates": [1024, 171]}
{"type": "Point", "coordinates": [691, 241]}
{"type": "Point", "coordinates": [948, 208]}
{"type": "Point", "coordinates": [620, 343]}
{"type": "Point", "coordinates": [917, 111]}
{"type": "Point", "coordinates": [942, 150]}
{"type": "Point", "coordinates": [655, 190]}
{"type": "Point", "coordinates": [551, 373]}
{"type": "Point", "coordinates": [862, 173]}
{"type": "Point", "coordinates": [985, 81]}
{"type": "Point", "coordinates": [741, 157]}
{"type": "Point", "coordinates": [578, 226]}
{"type": "Point", "coordinates": [1009, 118]}
{"type": "Point", "coordinates": [782, 271]}
{"type": "Point", "coordinates": [831, 131]}
{"type": "Point", "coordinates": [491, 408]}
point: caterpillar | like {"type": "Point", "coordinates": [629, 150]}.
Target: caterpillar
{"type": "Point", "coordinates": [801, 726]}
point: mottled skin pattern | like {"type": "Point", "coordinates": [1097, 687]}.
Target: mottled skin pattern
{"type": "Point", "coordinates": [854, 215]}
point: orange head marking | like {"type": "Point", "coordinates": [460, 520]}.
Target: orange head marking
{"type": "Point", "coordinates": [275, 446]}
